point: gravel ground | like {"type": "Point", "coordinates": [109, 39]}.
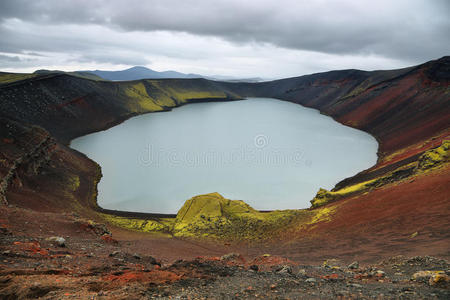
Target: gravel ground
{"type": "Point", "coordinates": [86, 262]}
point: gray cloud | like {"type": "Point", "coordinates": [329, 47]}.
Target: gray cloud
{"type": "Point", "coordinates": [113, 58]}
{"type": "Point", "coordinates": [6, 58]}
{"type": "Point", "coordinates": [7, 61]}
{"type": "Point", "coordinates": [229, 37]}
{"type": "Point", "coordinates": [33, 54]}
{"type": "Point", "coordinates": [52, 11]}
{"type": "Point", "coordinates": [415, 29]}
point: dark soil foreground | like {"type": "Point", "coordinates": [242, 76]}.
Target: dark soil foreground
{"type": "Point", "coordinates": [92, 265]}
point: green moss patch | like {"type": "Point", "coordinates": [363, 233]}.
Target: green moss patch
{"type": "Point", "coordinates": [212, 215]}
{"type": "Point", "coordinates": [12, 77]}
{"type": "Point", "coordinates": [429, 160]}
{"type": "Point", "coordinates": [155, 226]}
{"type": "Point", "coordinates": [434, 157]}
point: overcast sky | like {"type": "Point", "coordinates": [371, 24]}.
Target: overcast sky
{"type": "Point", "coordinates": [242, 38]}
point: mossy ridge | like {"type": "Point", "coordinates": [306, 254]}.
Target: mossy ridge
{"type": "Point", "coordinates": [139, 100]}
{"type": "Point", "coordinates": [324, 196]}
{"type": "Point", "coordinates": [12, 77]}
{"type": "Point", "coordinates": [435, 157]}
{"type": "Point", "coordinates": [322, 215]}
{"type": "Point", "coordinates": [428, 161]}
{"type": "Point", "coordinates": [182, 92]}
{"type": "Point", "coordinates": [163, 225]}
{"type": "Point", "coordinates": [418, 147]}
{"type": "Point", "coordinates": [159, 95]}
{"type": "Point", "coordinates": [213, 216]}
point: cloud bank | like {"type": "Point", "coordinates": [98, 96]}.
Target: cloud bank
{"type": "Point", "coordinates": [259, 38]}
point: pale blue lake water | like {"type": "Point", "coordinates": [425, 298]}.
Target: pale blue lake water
{"type": "Point", "coordinates": [270, 153]}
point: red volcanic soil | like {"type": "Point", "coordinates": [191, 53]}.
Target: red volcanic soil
{"type": "Point", "coordinates": [125, 268]}
{"type": "Point", "coordinates": [413, 150]}
{"type": "Point", "coordinates": [408, 218]}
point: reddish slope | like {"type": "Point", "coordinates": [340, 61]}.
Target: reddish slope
{"type": "Point", "coordinates": [41, 174]}
{"type": "Point", "coordinates": [382, 223]}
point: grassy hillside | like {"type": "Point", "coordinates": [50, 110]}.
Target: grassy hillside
{"type": "Point", "coordinates": [6, 78]}
{"type": "Point", "coordinates": [81, 74]}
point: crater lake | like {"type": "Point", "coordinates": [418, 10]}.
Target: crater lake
{"type": "Point", "coordinates": [270, 153]}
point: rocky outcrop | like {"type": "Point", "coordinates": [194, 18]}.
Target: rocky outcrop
{"type": "Point", "coordinates": [25, 151]}
{"type": "Point", "coordinates": [212, 215]}
{"type": "Point", "coordinates": [435, 157]}
{"type": "Point", "coordinates": [323, 197]}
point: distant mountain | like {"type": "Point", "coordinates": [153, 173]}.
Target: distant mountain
{"type": "Point", "coordinates": [136, 73]}
{"type": "Point", "coordinates": [225, 78]}
{"type": "Point", "coordinates": [248, 80]}
{"type": "Point", "coordinates": [81, 74]}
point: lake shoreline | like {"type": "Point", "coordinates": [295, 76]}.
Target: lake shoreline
{"type": "Point", "coordinates": [265, 155]}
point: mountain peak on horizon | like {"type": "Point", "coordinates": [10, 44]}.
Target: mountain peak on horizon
{"type": "Point", "coordinates": [141, 72]}
{"type": "Point", "coordinates": [138, 68]}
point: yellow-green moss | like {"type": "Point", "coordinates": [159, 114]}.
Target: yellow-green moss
{"type": "Point", "coordinates": [11, 77]}
{"type": "Point", "coordinates": [322, 215]}
{"type": "Point", "coordinates": [183, 94]}
{"type": "Point", "coordinates": [434, 157]}
{"type": "Point", "coordinates": [70, 185]}
{"type": "Point", "coordinates": [139, 100]}
{"type": "Point", "coordinates": [323, 196]}
{"type": "Point", "coordinates": [212, 215]}
{"type": "Point", "coordinates": [362, 87]}
{"type": "Point", "coordinates": [157, 95]}
{"type": "Point", "coordinates": [161, 225]}
{"type": "Point", "coordinates": [74, 182]}
{"type": "Point", "coordinates": [429, 160]}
